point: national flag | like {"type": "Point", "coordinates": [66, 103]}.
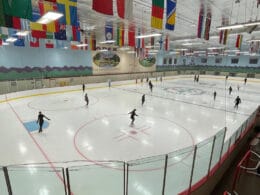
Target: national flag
{"type": "Point", "coordinates": [37, 30]}
{"type": "Point", "coordinates": [131, 35]}
{"type": "Point", "coordinates": [109, 31]}
{"type": "Point", "coordinates": [1, 42]}
{"type": "Point", "coordinates": [49, 43]}
{"type": "Point", "coordinates": [92, 42]}
{"type": "Point", "coordinates": [239, 41]}
{"type": "Point", "coordinates": [53, 1]}
{"type": "Point", "coordinates": [200, 22]}
{"type": "Point", "coordinates": [226, 32]}
{"type": "Point", "coordinates": [170, 14]}
{"type": "Point", "coordinates": [125, 9]}
{"type": "Point", "coordinates": [75, 33]}
{"type": "Point", "coordinates": [69, 10]}
{"type": "Point", "coordinates": [104, 7]}
{"type": "Point", "coordinates": [18, 8]}
{"type": "Point", "coordinates": [45, 7]}
{"type": "Point", "coordinates": [207, 25]}
{"type": "Point", "coordinates": [157, 14]}
{"type": "Point", "coordinates": [2, 15]}
{"type": "Point", "coordinates": [221, 33]}
{"type": "Point", "coordinates": [166, 43]}
{"type": "Point", "coordinates": [20, 23]}
{"type": "Point", "coordinates": [3, 33]}
{"type": "Point", "coordinates": [120, 35]}
{"type": "Point", "coordinates": [61, 34]}
{"type": "Point", "coordinates": [34, 42]}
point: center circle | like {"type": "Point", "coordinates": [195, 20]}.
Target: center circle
{"type": "Point", "coordinates": [113, 138]}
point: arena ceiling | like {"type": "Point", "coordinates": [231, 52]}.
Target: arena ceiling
{"type": "Point", "coordinates": [187, 13]}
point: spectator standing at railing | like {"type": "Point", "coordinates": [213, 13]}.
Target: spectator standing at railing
{"type": "Point", "coordinates": [40, 120]}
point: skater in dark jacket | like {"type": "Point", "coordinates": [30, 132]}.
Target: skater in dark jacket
{"type": "Point", "coordinates": [143, 99]}
{"type": "Point", "coordinates": [41, 121]}
{"type": "Point", "coordinates": [132, 116]}
{"type": "Point", "coordinates": [237, 102]}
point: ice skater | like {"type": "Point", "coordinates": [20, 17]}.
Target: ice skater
{"type": "Point", "coordinates": [86, 99]}
{"type": "Point", "coordinates": [214, 95]}
{"type": "Point", "coordinates": [132, 116]}
{"type": "Point", "coordinates": [83, 87]}
{"type": "Point", "coordinates": [161, 78]}
{"type": "Point", "coordinates": [230, 90]}
{"type": "Point", "coordinates": [40, 120]}
{"type": "Point", "coordinates": [198, 78]}
{"type": "Point", "coordinates": [143, 99]}
{"type": "Point", "coordinates": [238, 87]}
{"type": "Point", "coordinates": [226, 77]}
{"type": "Point", "coordinates": [237, 102]}
{"type": "Point", "coordinates": [245, 80]}
{"type": "Point", "coordinates": [150, 86]}
{"type": "Point", "coordinates": [109, 83]}
{"type": "Point", "coordinates": [195, 78]}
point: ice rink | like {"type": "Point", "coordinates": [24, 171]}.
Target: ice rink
{"type": "Point", "coordinates": [178, 113]}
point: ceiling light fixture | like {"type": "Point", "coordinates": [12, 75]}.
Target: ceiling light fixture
{"type": "Point", "coordinates": [11, 39]}
{"type": "Point", "coordinates": [107, 41]}
{"type": "Point", "coordinates": [149, 35]}
{"type": "Point", "coordinates": [82, 45]}
{"type": "Point", "coordinates": [232, 26]}
{"type": "Point", "coordinates": [22, 33]}
{"type": "Point", "coordinates": [49, 17]}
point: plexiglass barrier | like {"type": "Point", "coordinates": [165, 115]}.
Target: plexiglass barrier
{"type": "Point", "coordinates": [174, 173]}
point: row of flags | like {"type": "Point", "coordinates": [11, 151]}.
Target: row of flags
{"type": "Point", "coordinates": [125, 11]}
{"type": "Point", "coordinates": [204, 22]}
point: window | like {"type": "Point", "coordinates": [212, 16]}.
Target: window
{"type": "Point", "coordinates": [165, 61]}
{"type": "Point", "coordinates": [170, 60]}
{"type": "Point", "coordinates": [203, 60]}
{"type": "Point", "coordinates": [218, 60]}
{"type": "Point", "coordinates": [253, 61]}
{"type": "Point", "coordinates": [175, 61]}
{"type": "Point", "coordinates": [234, 61]}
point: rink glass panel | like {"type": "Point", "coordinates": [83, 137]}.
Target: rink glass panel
{"type": "Point", "coordinates": [202, 160]}
{"type": "Point", "coordinates": [104, 178]}
{"type": "Point", "coordinates": [219, 137]}
{"type": "Point", "coordinates": [145, 176]}
{"type": "Point", "coordinates": [36, 180]}
{"type": "Point", "coordinates": [178, 171]}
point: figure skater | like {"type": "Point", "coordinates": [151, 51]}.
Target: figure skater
{"type": "Point", "coordinates": [41, 121]}
{"type": "Point", "coordinates": [132, 116]}
{"type": "Point", "coordinates": [214, 95]}
{"type": "Point", "coordinates": [150, 86]}
{"type": "Point", "coordinates": [237, 102]}
{"type": "Point", "coordinates": [86, 99]}
{"type": "Point", "coordinates": [83, 87]}
{"type": "Point", "coordinates": [230, 90]}
{"type": "Point", "coordinates": [143, 99]}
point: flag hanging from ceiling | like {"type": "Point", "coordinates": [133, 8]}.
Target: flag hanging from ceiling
{"type": "Point", "coordinates": [131, 35]}
{"type": "Point", "coordinates": [120, 35]}
{"type": "Point", "coordinates": [226, 32]}
{"type": "Point", "coordinates": [34, 42]}
{"type": "Point", "coordinates": [200, 21]}
{"type": "Point", "coordinates": [2, 15]}
{"type": "Point", "coordinates": [20, 23]}
{"type": "Point", "coordinates": [207, 25]}
{"type": "Point", "coordinates": [109, 30]}
{"type": "Point", "coordinates": [18, 8]}
{"type": "Point", "coordinates": [45, 7]}
{"type": "Point", "coordinates": [69, 10]}
{"type": "Point", "coordinates": [166, 43]}
{"type": "Point", "coordinates": [239, 41]}
{"type": "Point", "coordinates": [104, 7]}
{"type": "Point", "coordinates": [125, 9]}
{"type": "Point", "coordinates": [170, 14]}
{"type": "Point", "coordinates": [157, 14]}
{"type": "Point", "coordinates": [92, 41]}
